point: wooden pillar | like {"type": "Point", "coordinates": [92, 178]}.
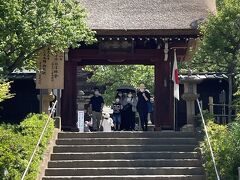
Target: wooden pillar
{"type": "Point", "coordinates": [68, 112]}
{"type": "Point", "coordinates": [163, 105]}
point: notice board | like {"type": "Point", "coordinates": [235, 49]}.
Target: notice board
{"type": "Point", "coordinates": [50, 70]}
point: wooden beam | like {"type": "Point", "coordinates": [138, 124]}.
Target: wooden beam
{"type": "Point", "coordinates": [116, 62]}
{"type": "Point", "coordinates": [69, 96]}
{"type": "Point", "coordinates": [163, 106]}
{"type": "Point", "coordinates": [94, 54]}
{"type": "Point", "coordinates": [149, 32]}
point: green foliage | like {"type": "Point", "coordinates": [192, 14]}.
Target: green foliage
{"type": "Point", "coordinates": [207, 117]}
{"type": "Point", "coordinates": [236, 100]}
{"type": "Point", "coordinates": [219, 50]}
{"type": "Point", "coordinates": [27, 26]}
{"type": "Point", "coordinates": [5, 91]}
{"type": "Point", "coordinates": [115, 76]}
{"type": "Point", "coordinates": [225, 141]}
{"type": "Point", "coordinates": [219, 4]}
{"type": "Point", "coordinates": [17, 143]}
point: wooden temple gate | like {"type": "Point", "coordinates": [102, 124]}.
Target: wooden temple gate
{"type": "Point", "coordinates": [161, 56]}
{"type": "Point", "coordinates": [120, 25]}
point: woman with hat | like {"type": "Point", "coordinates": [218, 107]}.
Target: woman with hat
{"type": "Point", "coordinates": [142, 105]}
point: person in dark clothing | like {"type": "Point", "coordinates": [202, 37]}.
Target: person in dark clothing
{"type": "Point", "coordinates": [152, 112]}
{"type": "Point", "coordinates": [96, 106]}
{"type": "Point", "coordinates": [117, 108]}
{"type": "Point", "coordinates": [134, 110]}
{"type": "Point", "coordinates": [128, 113]}
{"type": "Point", "coordinates": [142, 105]}
{"type": "Point", "coordinates": [121, 98]}
{"type": "Point", "coordinates": [88, 121]}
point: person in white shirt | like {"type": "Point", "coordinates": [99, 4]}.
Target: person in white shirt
{"type": "Point", "coordinates": [107, 123]}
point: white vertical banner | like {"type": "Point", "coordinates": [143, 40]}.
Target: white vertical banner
{"type": "Point", "coordinates": [175, 77]}
{"type": "Point", "coordinates": [80, 122]}
{"type": "Point", "coordinates": [175, 80]}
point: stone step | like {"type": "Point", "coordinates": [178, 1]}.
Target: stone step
{"type": "Point", "coordinates": [124, 155]}
{"type": "Point", "coordinates": [122, 141]}
{"type": "Point", "coordinates": [121, 148]}
{"type": "Point", "coordinates": [124, 134]}
{"type": "Point", "coordinates": [126, 163]}
{"type": "Point", "coordinates": [132, 177]}
{"type": "Point", "coordinates": [124, 171]}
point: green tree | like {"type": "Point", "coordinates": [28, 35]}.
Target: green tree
{"type": "Point", "coordinates": [219, 50]}
{"type": "Point", "coordinates": [27, 26]}
{"type": "Point", "coordinates": [115, 76]}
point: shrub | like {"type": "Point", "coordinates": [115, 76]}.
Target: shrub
{"type": "Point", "coordinates": [17, 143]}
{"type": "Point", "coordinates": [225, 141]}
{"type": "Point", "coordinates": [5, 90]}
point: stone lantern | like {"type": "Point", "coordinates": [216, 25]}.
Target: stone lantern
{"type": "Point", "coordinates": [190, 96]}
{"type": "Point", "coordinates": [80, 100]}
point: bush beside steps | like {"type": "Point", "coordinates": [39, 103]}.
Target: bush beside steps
{"type": "Point", "coordinates": [17, 143]}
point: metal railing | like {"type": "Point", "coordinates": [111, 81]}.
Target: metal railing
{"type": "Point", "coordinates": [208, 140]}
{"type": "Point", "coordinates": [39, 140]}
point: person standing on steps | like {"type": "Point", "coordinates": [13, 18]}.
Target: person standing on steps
{"type": "Point", "coordinates": [121, 98]}
{"type": "Point", "coordinates": [142, 105]}
{"type": "Point", "coordinates": [127, 109]}
{"type": "Point", "coordinates": [117, 108]}
{"type": "Point", "coordinates": [96, 106]}
{"type": "Point", "coordinates": [134, 110]}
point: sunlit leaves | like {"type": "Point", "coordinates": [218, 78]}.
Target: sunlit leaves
{"type": "Point", "coordinates": [27, 26]}
{"type": "Point", "coordinates": [17, 143]}
{"type": "Point", "coordinates": [5, 91]}
{"type": "Point", "coordinates": [220, 47]}
{"type": "Point", "coordinates": [225, 141]}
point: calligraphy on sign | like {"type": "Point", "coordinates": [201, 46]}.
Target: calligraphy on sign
{"type": "Point", "coordinates": [50, 72]}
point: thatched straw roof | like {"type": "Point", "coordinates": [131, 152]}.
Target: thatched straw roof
{"type": "Point", "coordinates": [146, 15]}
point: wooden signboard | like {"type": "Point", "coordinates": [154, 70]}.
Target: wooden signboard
{"type": "Point", "coordinates": [50, 73]}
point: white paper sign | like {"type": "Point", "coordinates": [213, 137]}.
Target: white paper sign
{"type": "Point", "coordinates": [81, 121]}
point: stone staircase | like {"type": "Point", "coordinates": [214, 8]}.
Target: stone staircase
{"type": "Point", "coordinates": [125, 155]}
